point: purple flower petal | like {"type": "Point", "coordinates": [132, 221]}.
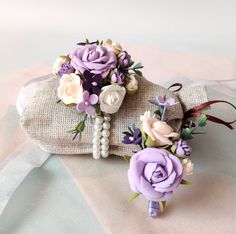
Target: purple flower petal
{"type": "Point", "coordinates": [80, 106]}
{"type": "Point", "coordinates": [160, 100]}
{"type": "Point", "coordinates": [86, 95]}
{"type": "Point", "coordinates": [89, 110]}
{"type": "Point", "coordinates": [170, 101]}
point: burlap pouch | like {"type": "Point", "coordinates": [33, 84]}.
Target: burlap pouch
{"type": "Point", "coordinates": [47, 122]}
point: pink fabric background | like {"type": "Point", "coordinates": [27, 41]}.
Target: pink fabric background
{"type": "Point", "coordinates": [104, 183]}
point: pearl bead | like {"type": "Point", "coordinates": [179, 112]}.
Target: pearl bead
{"type": "Point", "coordinates": [106, 125]}
{"type": "Point", "coordinates": [96, 148]}
{"type": "Point", "coordinates": [97, 127]}
{"type": "Point", "coordinates": [105, 133]}
{"type": "Point", "coordinates": [104, 147]}
{"type": "Point", "coordinates": [104, 153]}
{"type": "Point", "coordinates": [97, 134]}
{"type": "Point", "coordinates": [107, 118]}
{"type": "Point", "coordinates": [104, 141]}
{"type": "Point", "coordinates": [96, 141]}
{"type": "Point", "coordinates": [96, 155]}
{"type": "Point", "coordinates": [99, 120]}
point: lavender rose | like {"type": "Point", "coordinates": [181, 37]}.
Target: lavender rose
{"type": "Point", "coordinates": [93, 58]}
{"type": "Point", "coordinates": [155, 173]}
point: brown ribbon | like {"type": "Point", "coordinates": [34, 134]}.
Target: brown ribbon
{"type": "Point", "coordinates": [180, 86]}
{"type": "Point", "coordinates": [197, 111]}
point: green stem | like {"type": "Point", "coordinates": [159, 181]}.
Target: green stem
{"type": "Point", "coordinates": [163, 113]}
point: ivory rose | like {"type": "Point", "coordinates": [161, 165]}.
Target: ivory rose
{"type": "Point", "coordinates": [110, 45]}
{"type": "Point", "coordinates": [111, 98]}
{"type": "Point", "coordinates": [131, 84]}
{"type": "Point", "coordinates": [70, 89]}
{"type": "Point", "coordinates": [157, 130]}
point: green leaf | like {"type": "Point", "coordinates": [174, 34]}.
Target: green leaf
{"type": "Point", "coordinates": [181, 156]}
{"type": "Point", "coordinates": [131, 129]}
{"type": "Point", "coordinates": [173, 149]}
{"type": "Point", "coordinates": [127, 133]}
{"type": "Point", "coordinates": [185, 182]}
{"type": "Point", "coordinates": [202, 120]}
{"type": "Point", "coordinates": [80, 127]}
{"type": "Point", "coordinates": [133, 196]}
{"type": "Point", "coordinates": [70, 105]}
{"type": "Point", "coordinates": [186, 133]}
{"type": "Point", "coordinates": [157, 112]}
{"type": "Point", "coordinates": [150, 143]}
{"type": "Point", "coordinates": [162, 205]}
{"type": "Point", "coordinates": [138, 66]}
{"type": "Point", "coordinates": [138, 72]}
{"type": "Point", "coordinates": [127, 158]}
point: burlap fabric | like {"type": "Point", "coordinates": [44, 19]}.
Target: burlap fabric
{"type": "Point", "coordinates": [47, 122]}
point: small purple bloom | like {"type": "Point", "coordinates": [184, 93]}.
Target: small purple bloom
{"type": "Point", "coordinates": [124, 59]}
{"type": "Point", "coordinates": [165, 101]}
{"type": "Point", "coordinates": [92, 83]}
{"type": "Point", "coordinates": [153, 208]}
{"type": "Point", "coordinates": [155, 173]}
{"type": "Point", "coordinates": [94, 58]}
{"type": "Point", "coordinates": [182, 148]}
{"type": "Point", "coordinates": [118, 77]}
{"type": "Point", "coordinates": [86, 104]}
{"type": "Point", "coordinates": [66, 68]}
{"type": "Point", "coordinates": [133, 138]}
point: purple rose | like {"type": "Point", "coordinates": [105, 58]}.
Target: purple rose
{"type": "Point", "coordinates": [182, 148]}
{"type": "Point", "coordinates": [155, 173]}
{"type": "Point", "coordinates": [124, 59]}
{"type": "Point", "coordinates": [93, 58]}
{"type": "Point", "coordinates": [66, 68]}
{"type": "Point", "coordinates": [118, 77]}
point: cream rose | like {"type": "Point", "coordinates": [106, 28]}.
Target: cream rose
{"type": "Point", "coordinates": [188, 166]}
{"type": "Point", "coordinates": [131, 84]}
{"type": "Point", "coordinates": [158, 131]}
{"type": "Point", "coordinates": [110, 45]}
{"type": "Point", "coordinates": [58, 63]}
{"type": "Point", "coordinates": [70, 89]}
{"type": "Point", "coordinates": [111, 98]}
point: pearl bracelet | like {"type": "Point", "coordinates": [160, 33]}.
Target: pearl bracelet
{"type": "Point", "coordinates": [101, 136]}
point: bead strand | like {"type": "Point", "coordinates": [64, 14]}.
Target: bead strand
{"type": "Point", "coordinates": [101, 136]}
{"type": "Point", "coordinates": [97, 137]}
{"type": "Point", "coordinates": [105, 136]}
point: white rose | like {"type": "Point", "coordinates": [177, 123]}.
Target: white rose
{"type": "Point", "coordinates": [132, 84]}
{"type": "Point", "coordinates": [111, 98]}
{"type": "Point", "coordinates": [188, 166]}
{"type": "Point", "coordinates": [116, 47]}
{"type": "Point", "coordinates": [70, 89]}
{"type": "Point", "coordinates": [57, 64]}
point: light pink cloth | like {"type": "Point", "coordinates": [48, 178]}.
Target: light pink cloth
{"type": "Point", "coordinates": [194, 209]}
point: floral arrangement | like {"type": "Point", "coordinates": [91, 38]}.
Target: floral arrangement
{"type": "Point", "coordinates": [162, 159]}
{"type": "Point", "coordinates": [95, 78]}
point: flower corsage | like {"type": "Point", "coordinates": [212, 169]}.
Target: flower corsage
{"type": "Point", "coordinates": [95, 78]}
{"type": "Point", "coordinates": [162, 159]}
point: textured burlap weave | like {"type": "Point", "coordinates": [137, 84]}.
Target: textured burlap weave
{"type": "Point", "coordinates": [48, 123]}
